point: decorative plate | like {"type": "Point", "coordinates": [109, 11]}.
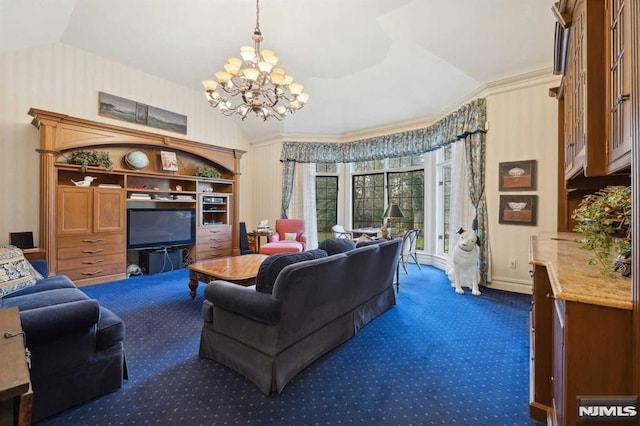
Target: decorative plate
{"type": "Point", "coordinates": [516, 172]}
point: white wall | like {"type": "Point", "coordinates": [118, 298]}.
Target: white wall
{"type": "Point", "coordinates": [65, 79]}
{"type": "Point", "coordinates": [523, 125]}
{"type": "Point", "coordinates": [267, 183]}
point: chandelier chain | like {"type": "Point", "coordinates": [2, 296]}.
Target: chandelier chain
{"type": "Point", "coordinates": [258, 15]}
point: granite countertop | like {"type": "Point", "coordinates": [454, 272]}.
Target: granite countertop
{"type": "Point", "coordinates": [571, 276]}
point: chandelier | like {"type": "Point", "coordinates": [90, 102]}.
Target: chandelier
{"type": "Point", "coordinates": [254, 84]}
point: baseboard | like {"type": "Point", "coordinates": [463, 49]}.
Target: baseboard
{"type": "Point", "coordinates": [512, 285]}
{"type": "Point", "coordinates": [436, 261]}
{"type": "Point", "coordinates": [498, 283]}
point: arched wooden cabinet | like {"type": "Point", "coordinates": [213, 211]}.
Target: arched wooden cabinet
{"type": "Point", "coordinates": [83, 229]}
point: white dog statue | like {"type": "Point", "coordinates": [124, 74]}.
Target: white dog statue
{"type": "Point", "coordinates": [465, 263]}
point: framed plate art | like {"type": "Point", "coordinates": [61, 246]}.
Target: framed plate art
{"type": "Point", "coordinates": [518, 176]}
{"type": "Point", "coordinates": [518, 209]}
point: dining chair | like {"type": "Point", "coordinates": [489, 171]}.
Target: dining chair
{"type": "Point", "coordinates": [408, 252]}
{"type": "Point", "coordinates": [340, 232]}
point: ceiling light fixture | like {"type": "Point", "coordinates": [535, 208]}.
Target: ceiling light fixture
{"type": "Point", "coordinates": [255, 84]}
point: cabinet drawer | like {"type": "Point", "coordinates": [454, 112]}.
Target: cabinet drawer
{"type": "Point", "coordinates": [211, 254]}
{"type": "Point", "coordinates": [93, 271]}
{"type": "Point", "coordinates": [90, 240]}
{"type": "Point", "coordinates": [89, 251]}
{"type": "Point", "coordinates": [92, 261]}
{"type": "Point", "coordinates": [213, 246]}
{"type": "Point", "coordinates": [217, 232]}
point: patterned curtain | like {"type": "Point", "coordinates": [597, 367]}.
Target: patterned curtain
{"type": "Point", "coordinates": [467, 120]}
{"type": "Point", "coordinates": [475, 150]}
{"type": "Point", "coordinates": [467, 123]}
{"type": "Point", "coordinates": [288, 168]}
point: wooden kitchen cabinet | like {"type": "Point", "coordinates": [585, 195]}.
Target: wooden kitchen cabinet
{"type": "Point", "coordinates": [581, 328]}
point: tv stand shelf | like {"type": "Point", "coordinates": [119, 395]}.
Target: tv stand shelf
{"type": "Point", "coordinates": [83, 228]}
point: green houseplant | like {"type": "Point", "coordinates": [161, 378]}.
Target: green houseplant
{"type": "Point", "coordinates": [207, 171]}
{"type": "Point", "coordinates": [90, 158]}
{"type": "Point", "coordinates": [604, 219]}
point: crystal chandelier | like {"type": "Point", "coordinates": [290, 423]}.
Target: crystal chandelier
{"type": "Point", "coordinates": [254, 84]}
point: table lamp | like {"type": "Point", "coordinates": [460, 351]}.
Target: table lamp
{"type": "Point", "coordinates": [392, 212]}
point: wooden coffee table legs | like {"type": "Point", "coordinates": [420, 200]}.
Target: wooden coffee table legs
{"type": "Point", "coordinates": [195, 278]}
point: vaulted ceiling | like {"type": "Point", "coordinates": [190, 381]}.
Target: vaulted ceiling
{"type": "Point", "coordinates": [367, 64]}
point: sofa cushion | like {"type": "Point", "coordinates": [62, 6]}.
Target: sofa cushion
{"type": "Point", "coordinates": [337, 245]}
{"type": "Point", "coordinates": [15, 271]}
{"type": "Point", "coordinates": [271, 267]}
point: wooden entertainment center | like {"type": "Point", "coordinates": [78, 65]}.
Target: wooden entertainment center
{"type": "Point", "coordinates": [83, 228]}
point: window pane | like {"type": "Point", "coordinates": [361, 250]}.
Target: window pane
{"type": "Point", "coordinates": [368, 200]}
{"type": "Point", "coordinates": [447, 152]}
{"type": "Point", "coordinates": [407, 189]}
{"type": "Point", "coordinates": [327, 168]}
{"type": "Point", "coordinates": [446, 206]}
{"type": "Point", "coordinates": [326, 205]}
{"type": "Point", "coordinates": [417, 160]}
{"type": "Point", "coordinates": [367, 166]}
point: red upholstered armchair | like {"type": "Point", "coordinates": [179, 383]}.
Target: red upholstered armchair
{"type": "Point", "coordinates": [285, 228]}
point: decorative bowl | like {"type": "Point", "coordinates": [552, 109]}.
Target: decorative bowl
{"type": "Point", "coordinates": [137, 160]}
{"type": "Point", "coordinates": [516, 172]}
{"type": "Point", "coordinates": [516, 206]}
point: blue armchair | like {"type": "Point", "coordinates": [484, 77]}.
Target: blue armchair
{"type": "Point", "coordinates": [76, 345]}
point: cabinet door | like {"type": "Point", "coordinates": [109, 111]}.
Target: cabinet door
{"type": "Point", "coordinates": [585, 89]}
{"type": "Point", "coordinates": [619, 86]}
{"type": "Point", "coordinates": [108, 210]}
{"type": "Point", "coordinates": [74, 210]}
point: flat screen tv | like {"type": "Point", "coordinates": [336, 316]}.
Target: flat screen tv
{"type": "Point", "coordinates": [154, 228]}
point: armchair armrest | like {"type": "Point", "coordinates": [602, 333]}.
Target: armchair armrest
{"type": "Point", "coordinates": [50, 322]}
{"type": "Point", "coordinates": [246, 301]}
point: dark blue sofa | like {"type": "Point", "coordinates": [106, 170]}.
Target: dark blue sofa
{"type": "Point", "coordinates": [271, 331]}
{"type": "Point", "coordinates": [76, 345]}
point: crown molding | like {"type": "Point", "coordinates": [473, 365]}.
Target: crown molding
{"type": "Point", "coordinates": [516, 82]}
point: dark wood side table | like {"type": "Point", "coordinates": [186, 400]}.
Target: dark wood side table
{"type": "Point", "coordinates": [258, 235]}
{"type": "Point", "coordinates": [16, 396]}
{"type": "Point", "coordinates": [35, 253]}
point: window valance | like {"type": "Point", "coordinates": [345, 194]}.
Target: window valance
{"type": "Point", "coordinates": [467, 120]}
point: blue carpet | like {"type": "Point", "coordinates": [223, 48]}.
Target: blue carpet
{"type": "Point", "coordinates": [435, 358]}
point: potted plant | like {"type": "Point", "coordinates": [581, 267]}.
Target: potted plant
{"type": "Point", "coordinates": [90, 158]}
{"type": "Point", "coordinates": [207, 171]}
{"type": "Point", "coordinates": [604, 218]}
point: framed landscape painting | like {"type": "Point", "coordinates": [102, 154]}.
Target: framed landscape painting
{"type": "Point", "coordinates": [518, 209]}
{"type": "Point", "coordinates": [517, 176]}
{"type": "Point", "coordinates": [135, 112]}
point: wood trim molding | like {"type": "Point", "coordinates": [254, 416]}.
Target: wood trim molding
{"type": "Point", "coordinates": [63, 132]}
{"type": "Point", "coordinates": [563, 18]}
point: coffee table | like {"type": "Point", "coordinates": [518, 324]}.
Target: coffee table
{"type": "Point", "coordinates": [240, 270]}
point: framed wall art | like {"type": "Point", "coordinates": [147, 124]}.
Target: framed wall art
{"type": "Point", "coordinates": [517, 176]}
{"type": "Point", "coordinates": [518, 209]}
{"type": "Point", "coordinates": [135, 112]}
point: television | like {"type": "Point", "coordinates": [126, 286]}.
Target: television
{"type": "Point", "coordinates": [156, 228]}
